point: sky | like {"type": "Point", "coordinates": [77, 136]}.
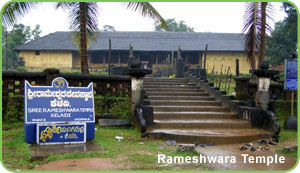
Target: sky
{"type": "Point", "coordinates": [220, 17]}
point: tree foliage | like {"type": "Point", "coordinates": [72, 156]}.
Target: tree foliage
{"type": "Point", "coordinates": [14, 11]}
{"type": "Point", "coordinates": [257, 19]}
{"type": "Point", "coordinates": [146, 10]}
{"type": "Point", "coordinates": [83, 20]}
{"type": "Point", "coordinates": [19, 35]}
{"type": "Point", "coordinates": [108, 28]}
{"type": "Point", "coordinates": [283, 41]}
{"type": "Point", "coordinates": [173, 26]}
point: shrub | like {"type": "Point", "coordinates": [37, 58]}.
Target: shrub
{"type": "Point", "coordinates": [21, 69]}
{"type": "Point", "coordinates": [13, 108]}
{"type": "Point", "coordinates": [172, 76]}
{"type": "Point", "coordinates": [121, 108]}
{"type": "Point", "coordinates": [283, 109]}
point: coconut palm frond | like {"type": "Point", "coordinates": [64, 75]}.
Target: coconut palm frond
{"type": "Point", "coordinates": [257, 22]}
{"type": "Point", "coordinates": [266, 18]}
{"type": "Point", "coordinates": [91, 15]}
{"type": "Point", "coordinates": [64, 5]}
{"type": "Point", "coordinates": [13, 11]}
{"type": "Point", "coordinates": [83, 21]}
{"type": "Point", "coordinates": [147, 10]}
{"type": "Point", "coordinates": [269, 18]}
{"type": "Point", "coordinates": [252, 29]}
{"type": "Point", "coordinates": [263, 24]}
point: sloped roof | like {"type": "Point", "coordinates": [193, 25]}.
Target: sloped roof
{"type": "Point", "coordinates": [143, 41]}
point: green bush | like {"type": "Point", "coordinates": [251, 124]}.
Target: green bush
{"type": "Point", "coordinates": [113, 105]}
{"type": "Point", "coordinates": [283, 109]}
{"type": "Point", "coordinates": [21, 69]}
{"type": "Point", "coordinates": [13, 109]}
{"type": "Point", "coordinates": [172, 76]}
{"type": "Point", "coordinates": [99, 72]}
{"type": "Point", "coordinates": [123, 109]}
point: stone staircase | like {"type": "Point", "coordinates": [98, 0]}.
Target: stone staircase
{"type": "Point", "coordinates": [187, 114]}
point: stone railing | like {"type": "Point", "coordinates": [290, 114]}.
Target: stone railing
{"type": "Point", "coordinates": [246, 90]}
{"type": "Point", "coordinates": [257, 117]}
{"type": "Point", "coordinates": [204, 84]}
{"type": "Point", "coordinates": [13, 82]}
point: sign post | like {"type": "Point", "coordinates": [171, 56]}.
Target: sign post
{"type": "Point", "coordinates": [58, 113]}
{"type": "Point", "coordinates": [291, 80]}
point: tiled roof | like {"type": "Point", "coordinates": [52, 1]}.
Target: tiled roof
{"type": "Point", "coordinates": [143, 41]}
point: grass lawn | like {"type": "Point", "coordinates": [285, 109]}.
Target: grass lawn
{"type": "Point", "coordinates": [139, 153]}
{"type": "Point", "coordinates": [287, 136]}
{"type": "Point", "coordinates": [228, 86]}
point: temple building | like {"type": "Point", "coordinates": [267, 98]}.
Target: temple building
{"type": "Point", "coordinates": [58, 50]}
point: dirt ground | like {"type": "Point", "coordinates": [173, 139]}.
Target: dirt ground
{"type": "Point", "coordinates": [234, 150]}
{"type": "Point", "coordinates": [104, 164]}
{"type": "Point", "coordinates": [217, 150]}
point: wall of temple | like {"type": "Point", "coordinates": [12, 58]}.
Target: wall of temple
{"type": "Point", "coordinates": [70, 61]}
{"type": "Point", "coordinates": [40, 60]}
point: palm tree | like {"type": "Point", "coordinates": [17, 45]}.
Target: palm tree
{"type": "Point", "coordinates": [256, 23]}
{"type": "Point", "coordinates": [83, 21]}
{"type": "Point", "coordinates": [16, 10]}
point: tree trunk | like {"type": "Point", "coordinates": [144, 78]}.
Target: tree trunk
{"type": "Point", "coordinates": [83, 44]}
{"type": "Point", "coordinates": [263, 32]}
{"type": "Point", "coordinates": [253, 36]}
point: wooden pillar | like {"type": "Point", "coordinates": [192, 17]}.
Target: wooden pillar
{"type": "Point", "coordinates": [119, 58]}
{"type": "Point", "coordinates": [237, 69]}
{"type": "Point", "coordinates": [200, 59]}
{"type": "Point", "coordinates": [205, 52]}
{"type": "Point", "coordinates": [109, 56]}
{"type": "Point", "coordinates": [104, 59]}
{"type": "Point", "coordinates": [186, 58]}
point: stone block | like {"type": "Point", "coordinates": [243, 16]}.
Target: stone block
{"type": "Point", "coordinates": [290, 148]}
{"type": "Point", "coordinates": [185, 148]}
{"type": "Point", "coordinates": [290, 123]}
{"type": "Point", "coordinates": [114, 122]}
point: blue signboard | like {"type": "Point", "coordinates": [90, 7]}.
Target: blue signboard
{"type": "Point", "coordinates": [59, 103]}
{"type": "Point", "coordinates": [291, 74]}
{"type": "Point", "coordinates": [60, 133]}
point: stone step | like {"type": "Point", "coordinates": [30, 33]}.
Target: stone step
{"type": "Point", "coordinates": [147, 79]}
{"type": "Point", "coordinates": [205, 136]}
{"type": "Point", "coordinates": [201, 124]}
{"type": "Point", "coordinates": [176, 93]}
{"type": "Point", "coordinates": [113, 122]}
{"type": "Point", "coordinates": [185, 103]}
{"type": "Point", "coordinates": [190, 108]}
{"type": "Point", "coordinates": [168, 80]}
{"type": "Point", "coordinates": [174, 89]}
{"type": "Point", "coordinates": [181, 98]}
{"type": "Point", "coordinates": [193, 115]}
{"type": "Point", "coordinates": [170, 86]}
{"type": "Point", "coordinates": [185, 113]}
{"type": "Point", "coordinates": [169, 83]}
